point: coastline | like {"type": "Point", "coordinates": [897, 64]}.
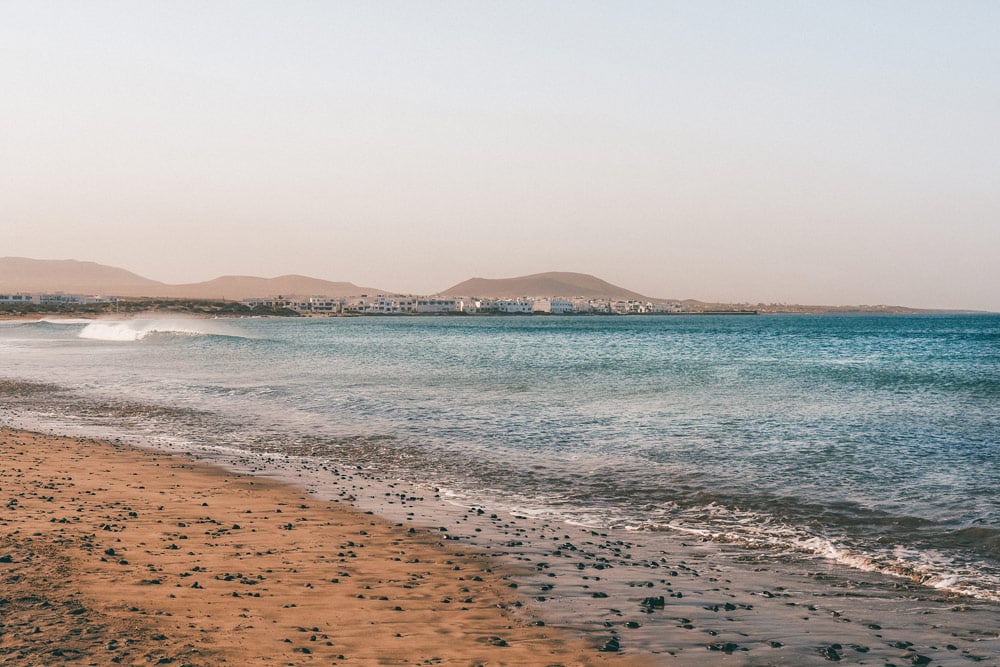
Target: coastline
{"type": "Point", "coordinates": [116, 553]}
{"type": "Point", "coordinates": [662, 599]}
{"type": "Point", "coordinates": [677, 599]}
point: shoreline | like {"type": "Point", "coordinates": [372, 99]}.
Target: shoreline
{"type": "Point", "coordinates": [663, 598]}
{"type": "Point", "coordinates": [679, 599]}
{"type": "Point", "coordinates": [118, 553]}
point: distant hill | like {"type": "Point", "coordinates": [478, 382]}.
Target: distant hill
{"type": "Point", "coordinates": [243, 287]}
{"type": "Point", "coordinates": [20, 274]}
{"type": "Point", "coordinates": [554, 283]}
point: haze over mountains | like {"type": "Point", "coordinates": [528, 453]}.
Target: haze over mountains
{"type": "Point", "coordinates": [19, 274]}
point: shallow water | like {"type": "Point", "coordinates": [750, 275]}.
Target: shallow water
{"type": "Point", "coordinates": [871, 440]}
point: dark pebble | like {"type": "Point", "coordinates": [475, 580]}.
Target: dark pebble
{"type": "Point", "coordinates": [725, 647]}
{"type": "Point", "coordinates": [611, 646]}
{"type": "Point", "coordinates": [830, 653]}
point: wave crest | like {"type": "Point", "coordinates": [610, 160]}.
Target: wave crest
{"type": "Point", "coordinates": [136, 330]}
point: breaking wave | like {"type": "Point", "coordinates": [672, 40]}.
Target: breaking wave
{"type": "Point", "coordinates": [136, 330]}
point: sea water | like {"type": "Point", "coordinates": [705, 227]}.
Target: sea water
{"type": "Point", "coordinates": [867, 439]}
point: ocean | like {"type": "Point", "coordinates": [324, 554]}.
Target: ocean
{"type": "Point", "coordinates": [869, 440]}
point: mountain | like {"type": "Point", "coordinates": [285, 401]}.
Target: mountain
{"type": "Point", "coordinates": [554, 283]}
{"type": "Point", "coordinates": [20, 274]}
{"type": "Point", "coordinates": [243, 287]}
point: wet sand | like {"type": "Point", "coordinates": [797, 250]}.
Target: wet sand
{"type": "Point", "coordinates": [351, 562]}
{"type": "Point", "coordinates": [111, 554]}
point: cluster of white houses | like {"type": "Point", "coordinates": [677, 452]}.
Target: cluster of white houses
{"type": "Point", "coordinates": [390, 304]}
{"type": "Point", "coordinates": [394, 304]}
{"type": "Point", "coordinates": [58, 299]}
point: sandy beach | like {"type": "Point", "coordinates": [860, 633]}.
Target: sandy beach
{"type": "Point", "coordinates": [113, 554]}
{"type": "Point", "coordinates": [116, 554]}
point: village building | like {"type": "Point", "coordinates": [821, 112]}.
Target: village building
{"type": "Point", "coordinates": [439, 305]}
{"type": "Point", "coordinates": [515, 306]}
{"type": "Point", "coordinates": [560, 306]}
{"type": "Point", "coordinates": [17, 299]}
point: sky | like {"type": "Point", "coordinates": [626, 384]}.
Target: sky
{"type": "Point", "coordinates": [791, 152]}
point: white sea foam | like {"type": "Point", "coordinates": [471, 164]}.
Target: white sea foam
{"type": "Point", "coordinates": [139, 329]}
{"type": "Point", "coordinates": [929, 568]}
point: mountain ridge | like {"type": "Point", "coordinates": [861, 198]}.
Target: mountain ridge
{"type": "Point", "coordinates": [246, 287]}
{"type": "Point", "coordinates": [22, 274]}
{"type": "Point", "coordinates": [550, 283]}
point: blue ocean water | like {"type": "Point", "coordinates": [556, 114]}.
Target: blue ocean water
{"type": "Point", "coordinates": [870, 439]}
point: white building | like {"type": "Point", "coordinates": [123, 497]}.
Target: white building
{"type": "Point", "coordinates": [392, 305]}
{"type": "Point", "coordinates": [668, 307]}
{"type": "Point", "coordinates": [17, 299]}
{"type": "Point", "coordinates": [541, 306]}
{"type": "Point", "coordinates": [314, 304]}
{"type": "Point", "coordinates": [560, 306]}
{"type": "Point", "coordinates": [515, 306]}
{"type": "Point", "coordinates": [440, 305]}
{"type": "Point", "coordinates": [631, 307]}
{"type": "Point", "coordinates": [272, 302]}
{"type": "Point", "coordinates": [322, 304]}
{"type": "Point", "coordinates": [481, 306]}
{"type": "Point", "coordinates": [60, 299]}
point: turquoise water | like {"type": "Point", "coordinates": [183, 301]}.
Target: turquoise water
{"type": "Point", "coordinates": [868, 439]}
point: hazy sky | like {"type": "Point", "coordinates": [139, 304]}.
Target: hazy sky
{"type": "Point", "coordinates": [837, 152]}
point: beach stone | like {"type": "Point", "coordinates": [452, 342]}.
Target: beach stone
{"type": "Point", "coordinates": [650, 603]}
{"type": "Point", "coordinates": [725, 647]}
{"type": "Point", "coordinates": [830, 653]}
{"type": "Point", "coordinates": [611, 646]}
